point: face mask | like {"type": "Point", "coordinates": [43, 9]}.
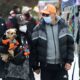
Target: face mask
{"type": "Point", "coordinates": [47, 19]}
{"type": "Point", "coordinates": [23, 28]}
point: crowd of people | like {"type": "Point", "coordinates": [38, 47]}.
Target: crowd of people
{"type": "Point", "coordinates": [27, 45]}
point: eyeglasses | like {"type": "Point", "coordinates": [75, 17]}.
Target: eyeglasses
{"type": "Point", "coordinates": [46, 15]}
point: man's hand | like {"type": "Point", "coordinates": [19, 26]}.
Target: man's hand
{"type": "Point", "coordinates": [4, 58]}
{"type": "Point", "coordinates": [37, 71]}
{"type": "Point", "coordinates": [68, 66]}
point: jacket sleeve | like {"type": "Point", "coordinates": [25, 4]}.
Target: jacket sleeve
{"type": "Point", "coordinates": [70, 46]}
{"type": "Point", "coordinates": [34, 52]}
{"type": "Point", "coordinates": [66, 43]}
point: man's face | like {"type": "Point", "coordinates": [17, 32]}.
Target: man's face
{"type": "Point", "coordinates": [49, 18]}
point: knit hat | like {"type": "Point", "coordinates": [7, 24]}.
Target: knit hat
{"type": "Point", "coordinates": [49, 9]}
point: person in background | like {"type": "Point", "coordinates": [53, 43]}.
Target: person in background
{"type": "Point", "coordinates": [16, 9]}
{"type": "Point", "coordinates": [22, 72]}
{"type": "Point", "coordinates": [26, 29]}
{"type": "Point", "coordinates": [30, 22]}
{"type": "Point", "coordinates": [2, 26]}
{"type": "Point", "coordinates": [37, 13]}
{"type": "Point", "coordinates": [52, 46]}
{"type": "Point", "coordinates": [18, 66]}
{"type": "Point", "coordinates": [12, 20]}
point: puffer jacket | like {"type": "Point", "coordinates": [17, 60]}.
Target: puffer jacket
{"type": "Point", "coordinates": [39, 42]}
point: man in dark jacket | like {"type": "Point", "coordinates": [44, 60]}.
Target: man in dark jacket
{"type": "Point", "coordinates": [53, 46]}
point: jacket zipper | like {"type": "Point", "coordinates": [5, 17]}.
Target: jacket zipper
{"type": "Point", "coordinates": [54, 43]}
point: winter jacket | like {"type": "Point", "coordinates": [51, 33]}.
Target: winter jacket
{"type": "Point", "coordinates": [39, 42]}
{"type": "Point", "coordinates": [23, 71]}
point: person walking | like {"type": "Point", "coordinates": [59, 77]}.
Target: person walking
{"type": "Point", "coordinates": [52, 46]}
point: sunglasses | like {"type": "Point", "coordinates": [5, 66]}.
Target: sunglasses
{"type": "Point", "coordinates": [46, 15]}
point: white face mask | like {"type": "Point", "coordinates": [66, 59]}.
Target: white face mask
{"type": "Point", "coordinates": [47, 19]}
{"type": "Point", "coordinates": [23, 28]}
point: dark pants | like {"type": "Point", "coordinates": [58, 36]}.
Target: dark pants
{"type": "Point", "coordinates": [11, 79]}
{"type": "Point", "coordinates": [53, 72]}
